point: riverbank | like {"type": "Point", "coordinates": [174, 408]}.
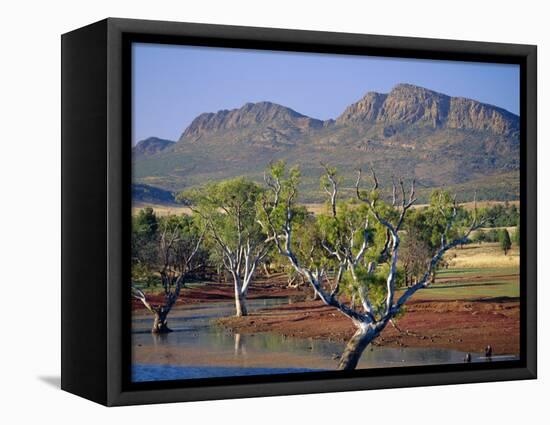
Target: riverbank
{"type": "Point", "coordinates": [262, 288]}
{"type": "Point", "coordinates": [466, 310]}
{"type": "Point", "coordinates": [458, 325]}
{"type": "Point", "coordinates": [201, 347]}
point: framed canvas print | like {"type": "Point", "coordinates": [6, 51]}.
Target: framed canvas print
{"type": "Point", "coordinates": [252, 212]}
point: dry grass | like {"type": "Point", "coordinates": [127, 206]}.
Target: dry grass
{"type": "Point", "coordinates": [480, 204]}
{"type": "Point", "coordinates": [317, 208]}
{"type": "Point", "coordinates": [322, 207]}
{"type": "Point", "coordinates": [511, 229]}
{"type": "Point", "coordinates": [485, 255]}
{"type": "Point", "coordinates": [162, 210]}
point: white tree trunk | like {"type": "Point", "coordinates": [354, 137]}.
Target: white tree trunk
{"type": "Point", "coordinates": [160, 324]}
{"type": "Point", "coordinates": [356, 346]}
{"type": "Point", "coordinates": [240, 302]}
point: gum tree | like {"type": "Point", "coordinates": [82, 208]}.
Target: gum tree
{"type": "Point", "coordinates": [377, 307]}
{"type": "Point", "coordinates": [227, 211]}
{"type": "Point", "coordinates": [172, 253]}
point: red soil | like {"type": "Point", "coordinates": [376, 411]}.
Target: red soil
{"type": "Point", "coordinates": [461, 325]}
{"type": "Point", "coordinates": [219, 292]}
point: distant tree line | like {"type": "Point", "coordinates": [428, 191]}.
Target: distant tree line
{"type": "Point", "coordinates": [501, 215]}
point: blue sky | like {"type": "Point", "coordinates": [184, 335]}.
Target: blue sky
{"type": "Point", "coordinates": [174, 84]}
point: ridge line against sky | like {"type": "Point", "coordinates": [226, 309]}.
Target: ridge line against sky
{"type": "Point", "coordinates": [174, 84]}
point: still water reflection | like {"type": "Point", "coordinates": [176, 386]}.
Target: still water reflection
{"type": "Point", "coordinates": [199, 349]}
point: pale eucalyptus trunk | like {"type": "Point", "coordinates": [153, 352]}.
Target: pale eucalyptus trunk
{"type": "Point", "coordinates": [160, 313]}
{"type": "Point", "coordinates": [160, 324]}
{"type": "Point", "coordinates": [356, 346]}
{"type": "Point", "coordinates": [240, 303]}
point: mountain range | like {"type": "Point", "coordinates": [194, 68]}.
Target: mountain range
{"type": "Point", "coordinates": [442, 141]}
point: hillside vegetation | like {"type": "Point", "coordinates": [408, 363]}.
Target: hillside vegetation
{"type": "Point", "coordinates": [442, 141]}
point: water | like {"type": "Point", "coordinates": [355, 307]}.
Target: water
{"type": "Point", "coordinates": [199, 349]}
{"type": "Point", "coordinates": [145, 373]}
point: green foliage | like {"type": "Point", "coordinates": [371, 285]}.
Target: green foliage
{"type": "Point", "coordinates": [148, 258]}
{"type": "Point", "coordinates": [374, 284]}
{"type": "Point", "coordinates": [501, 215]}
{"type": "Point", "coordinates": [146, 222]}
{"type": "Point", "coordinates": [429, 224]}
{"type": "Point", "coordinates": [289, 182]}
{"type": "Point", "coordinates": [272, 208]}
{"type": "Point", "coordinates": [306, 243]}
{"type": "Point", "coordinates": [228, 206]}
{"type": "Point", "coordinates": [142, 274]}
{"type": "Point", "coordinates": [479, 236]}
{"type": "Point", "coordinates": [144, 246]}
{"type": "Point", "coordinates": [492, 235]}
{"type": "Point", "coordinates": [349, 225]}
{"type": "Point", "coordinates": [504, 240]}
{"type": "Point", "coordinates": [228, 212]}
{"type": "Point", "coordinates": [414, 255]}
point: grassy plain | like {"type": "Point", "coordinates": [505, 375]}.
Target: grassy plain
{"type": "Point", "coordinates": [315, 208]}
{"type": "Point", "coordinates": [476, 272]}
{"type": "Point", "coordinates": [473, 303]}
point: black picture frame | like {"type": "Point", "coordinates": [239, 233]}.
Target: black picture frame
{"type": "Point", "coordinates": [96, 205]}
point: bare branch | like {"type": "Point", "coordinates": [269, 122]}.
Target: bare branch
{"type": "Point", "coordinates": [332, 193]}
{"type": "Point", "coordinates": [424, 282]}
{"type": "Point", "coordinates": [405, 204]}
{"type": "Point", "coordinates": [139, 295]}
{"type": "Point", "coordinates": [394, 197]}
{"type": "Point", "coordinates": [364, 245]}
{"type": "Point", "coordinates": [375, 187]}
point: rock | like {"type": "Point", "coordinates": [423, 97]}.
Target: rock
{"type": "Point", "coordinates": [410, 104]}
{"type": "Point", "coordinates": [270, 116]}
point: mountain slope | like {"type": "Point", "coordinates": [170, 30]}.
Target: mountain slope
{"type": "Point", "coordinates": [412, 105]}
{"type": "Point", "coordinates": [150, 194]}
{"type": "Point", "coordinates": [151, 146]}
{"type": "Point", "coordinates": [268, 121]}
{"type": "Point", "coordinates": [411, 131]}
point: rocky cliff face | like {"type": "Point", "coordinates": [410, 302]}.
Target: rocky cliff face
{"type": "Point", "coordinates": [469, 114]}
{"type": "Point", "coordinates": [251, 115]}
{"type": "Point", "coordinates": [410, 131]}
{"type": "Point", "coordinates": [406, 105]}
{"type": "Point", "coordinates": [411, 105]}
{"type": "Point", "coordinates": [368, 109]}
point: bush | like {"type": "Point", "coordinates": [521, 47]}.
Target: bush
{"type": "Point", "coordinates": [505, 242]}
{"type": "Point", "coordinates": [492, 235]}
{"type": "Point", "coordinates": [479, 236]}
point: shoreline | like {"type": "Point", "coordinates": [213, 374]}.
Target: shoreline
{"type": "Point", "coordinates": [273, 287]}
{"type": "Point", "coordinates": [467, 326]}
{"type": "Point", "coordinates": [430, 321]}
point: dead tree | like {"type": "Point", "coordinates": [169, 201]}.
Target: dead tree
{"type": "Point", "coordinates": [368, 321]}
{"type": "Point", "coordinates": [176, 258]}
